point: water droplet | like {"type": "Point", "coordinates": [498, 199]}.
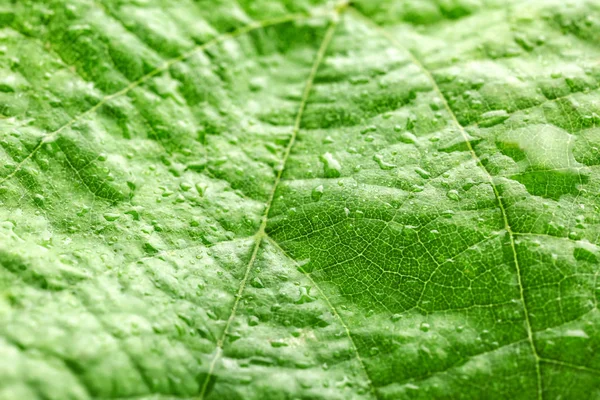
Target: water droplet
{"type": "Point", "coordinates": [317, 193]}
{"type": "Point", "coordinates": [453, 195]}
{"type": "Point", "coordinates": [257, 283]}
{"type": "Point", "coordinates": [586, 251]}
{"type": "Point", "coordinates": [233, 336]}
{"type": "Point", "coordinates": [131, 185]}
{"type": "Point", "coordinates": [408, 137]}
{"type": "Point", "coordinates": [368, 129]}
{"type": "Point", "coordinates": [135, 213]}
{"type": "Point", "coordinates": [448, 213]}
{"type": "Point", "coordinates": [185, 186]}
{"type": "Point", "coordinates": [331, 166]}
{"type": "Point", "coordinates": [492, 118]}
{"type": "Point", "coordinates": [425, 327]}
{"type": "Point", "coordinates": [38, 199]}
{"type": "Point", "coordinates": [357, 80]}
{"type": "Point", "coordinates": [396, 317]}
{"type": "Point", "coordinates": [436, 104]}
{"type": "Point", "coordinates": [201, 188]}
{"type": "Point", "coordinates": [253, 320]}
{"type": "Point", "coordinates": [344, 382]}
{"type": "Point", "coordinates": [556, 74]}
{"type": "Point", "coordinates": [257, 83]}
{"type": "Point", "coordinates": [378, 158]}
{"type": "Point", "coordinates": [574, 235]}
{"type": "Point", "coordinates": [422, 173]}
{"type": "Point", "coordinates": [111, 217]}
{"type": "Point", "coordinates": [305, 296]}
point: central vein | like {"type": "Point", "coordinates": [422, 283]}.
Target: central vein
{"type": "Point", "coordinates": [260, 234]}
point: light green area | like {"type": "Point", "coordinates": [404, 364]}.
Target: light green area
{"type": "Point", "coordinates": [295, 199]}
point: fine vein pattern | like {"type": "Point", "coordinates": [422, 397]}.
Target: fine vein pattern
{"type": "Point", "coordinates": [308, 199]}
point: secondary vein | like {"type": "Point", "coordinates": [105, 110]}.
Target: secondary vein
{"type": "Point", "coordinates": [497, 195]}
{"type": "Point", "coordinates": [334, 311]}
{"type": "Point", "coordinates": [49, 137]}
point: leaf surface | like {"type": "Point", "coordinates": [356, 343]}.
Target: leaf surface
{"type": "Point", "coordinates": [299, 199]}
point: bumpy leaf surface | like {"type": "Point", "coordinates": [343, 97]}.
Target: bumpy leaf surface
{"type": "Point", "coordinates": [297, 199]}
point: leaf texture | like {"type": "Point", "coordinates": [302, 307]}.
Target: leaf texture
{"type": "Point", "coordinates": [276, 199]}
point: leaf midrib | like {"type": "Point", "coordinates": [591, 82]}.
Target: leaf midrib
{"type": "Point", "coordinates": [261, 234]}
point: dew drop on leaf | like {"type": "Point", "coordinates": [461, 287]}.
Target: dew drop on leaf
{"type": "Point", "coordinates": [448, 213]}
{"type": "Point", "coordinates": [378, 158]}
{"type": "Point", "coordinates": [201, 189]}
{"type": "Point", "coordinates": [408, 137]}
{"type": "Point", "coordinates": [491, 118]}
{"type": "Point", "coordinates": [39, 199]}
{"type": "Point", "coordinates": [422, 173]}
{"type": "Point", "coordinates": [257, 283]}
{"type": "Point", "coordinates": [331, 166]}
{"type": "Point", "coordinates": [317, 193]}
{"type": "Point", "coordinates": [396, 317]}
{"type": "Point", "coordinates": [453, 195]}
{"type": "Point", "coordinates": [111, 216]}
{"type": "Point", "coordinates": [368, 129]}
{"type": "Point", "coordinates": [574, 235]}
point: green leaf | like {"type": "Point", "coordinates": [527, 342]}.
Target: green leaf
{"type": "Point", "coordinates": [277, 199]}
